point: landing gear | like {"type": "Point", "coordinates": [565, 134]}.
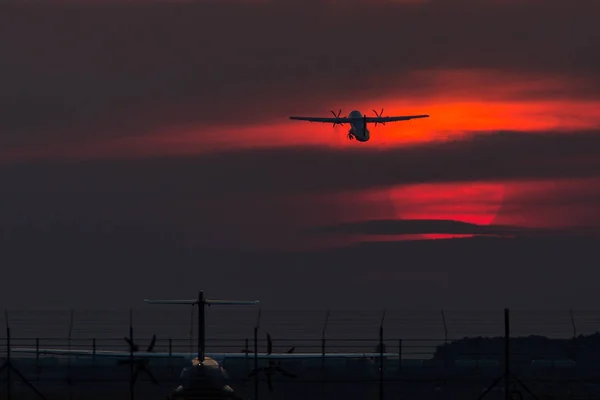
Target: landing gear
{"type": "Point", "coordinates": [350, 136]}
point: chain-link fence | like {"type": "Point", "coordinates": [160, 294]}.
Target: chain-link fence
{"type": "Point", "coordinates": [426, 353]}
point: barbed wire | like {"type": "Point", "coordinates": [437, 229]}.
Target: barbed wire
{"type": "Point", "coordinates": [231, 330]}
{"type": "Point", "coordinates": [239, 323]}
{"type": "Point", "coordinates": [414, 335]}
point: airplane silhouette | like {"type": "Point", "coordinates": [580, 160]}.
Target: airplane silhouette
{"type": "Point", "coordinates": [358, 122]}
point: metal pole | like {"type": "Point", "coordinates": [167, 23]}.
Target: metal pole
{"type": "Point", "coordinates": [381, 356]}
{"type": "Point", "coordinates": [192, 328]}
{"type": "Point", "coordinates": [573, 323]}
{"type": "Point", "coordinates": [131, 366]}
{"type": "Point", "coordinates": [256, 327]}
{"type": "Point", "coordinates": [69, 382]}
{"type": "Point", "coordinates": [9, 366]}
{"type": "Point", "coordinates": [201, 327]}
{"type": "Point", "coordinates": [201, 302]}
{"type": "Point", "coordinates": [323, 339]}
{"type": "Point", "coordinates": [506, 353]}
{"type": "Point", "coordinates": [445, 327]}
{"type": "Point", "coordinates": [573, 354]}
{"type": "Point", "coordinates": [8, 360]}
{"type": "Point", "coordinates": [399, 354]}
{"type": "Point", "coordinates": [446, 359]}
{"type": "Point", "coordinates": [37, 352]}
{"type": "Point", "coordinates": [381, 362]}
{"type": "Point", "coordinates": [255, 363]}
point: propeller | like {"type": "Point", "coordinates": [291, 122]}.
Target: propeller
{"type": "Point", "coordinates": [139, 365]}
{"type": "Point", "coordinates": [272, 368]}
{"type": "Point", "coordinates": [134, 347]}
{"type": "Point", "coordinates": [270, 346]}
{"type": "Point", "coordinates": [379, 116]}
{"type": "Point", "coordinates": [337, 116]}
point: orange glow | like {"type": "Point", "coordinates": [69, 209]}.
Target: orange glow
{"type": "Point", "coordinates": [449, 120]}
{"type": "Point", "coordinates": [459, 102]}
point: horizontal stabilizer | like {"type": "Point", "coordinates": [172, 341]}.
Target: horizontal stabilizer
{"type": "Point", "coordinates": [232, 302]}
{"type": "Point", "coordinates": [216, 356]}
{"type": "Point", "coordinates": [209, 302]}
{"type": "Point", "coordinates": [171, 301]}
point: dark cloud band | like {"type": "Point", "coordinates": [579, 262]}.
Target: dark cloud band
{"type": "Point", "coordinates": [122, 69]}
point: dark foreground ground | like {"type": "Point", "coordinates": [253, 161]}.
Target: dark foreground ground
{"type": "Point", "coordinates": [348, 381]}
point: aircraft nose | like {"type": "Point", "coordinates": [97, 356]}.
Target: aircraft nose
{"type": "Point", "coordinates": [227, 389]}
{"type": "Point", "coordinates": [230, 393]}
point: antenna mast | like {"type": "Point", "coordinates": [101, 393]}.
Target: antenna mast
{"type": "Point", "coordinates": [201, 302]}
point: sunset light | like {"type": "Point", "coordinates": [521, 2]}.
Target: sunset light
{"type": "Point", "coordinates": [154, 138]}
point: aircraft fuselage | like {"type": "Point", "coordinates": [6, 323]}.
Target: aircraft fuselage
{"type": "Point", "coordinates": [358, 128]}
{"type": "Point", "coordinates": [207, 380]}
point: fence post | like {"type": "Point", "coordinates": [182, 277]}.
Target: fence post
{"type": "Point", "coordinates": [381, 350]}
{"type": "Point", "coordinates": [8, 360]}
{"type": "Point", "coordinates": [506, 354]}
{"type": "Point", "coordinates": [445, 327]}
{"type": "Point", "coordinates": [256, 327]}
{"type": "Point", "coordinates": [192, 328]}
{"type": "Point", "coordinates": [446, 358]}
{"type": "Point", "coordinates": [573, 322]}
{"type": "Point", "coordinates": [37, 353]}
{"type": "Point", "coordinates": [71, 316]}
{"type": "Point", "coordinates": [131, 367]}
{"type": "Point", "coordinates": [574, 345]}
{"type": "Point", "coordinates": [323, 333]}
{"type": "Point", "coordinates": [246, 358]}
{"type": "Point", "coordinates": [8, 365]}
{"type": "Point", "coordinates": [400, 355]}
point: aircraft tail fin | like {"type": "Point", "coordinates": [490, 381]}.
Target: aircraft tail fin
{"type": "Point", "coordinates": [201, 302]}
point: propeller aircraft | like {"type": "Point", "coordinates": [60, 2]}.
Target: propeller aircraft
{"type": "Point", "coordinates": [358, 122]}
{"type": "Point", "coordinates": [208, 374]}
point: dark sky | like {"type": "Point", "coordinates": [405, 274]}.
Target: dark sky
{"type": "Point", "coordinates": [146, 151]}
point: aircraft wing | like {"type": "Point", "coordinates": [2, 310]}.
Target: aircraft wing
{"type": "Point", "coordinates": [216, 356]}
{"type": "Point", "coordinates": [341, 120]}
{"type": "Point", "coordinates": [291, 356]}
{"type": "Point", "coordinates": [395, 119]}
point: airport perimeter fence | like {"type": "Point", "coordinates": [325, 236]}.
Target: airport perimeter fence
{"type": "Point", "coordinates": [423, 364]}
